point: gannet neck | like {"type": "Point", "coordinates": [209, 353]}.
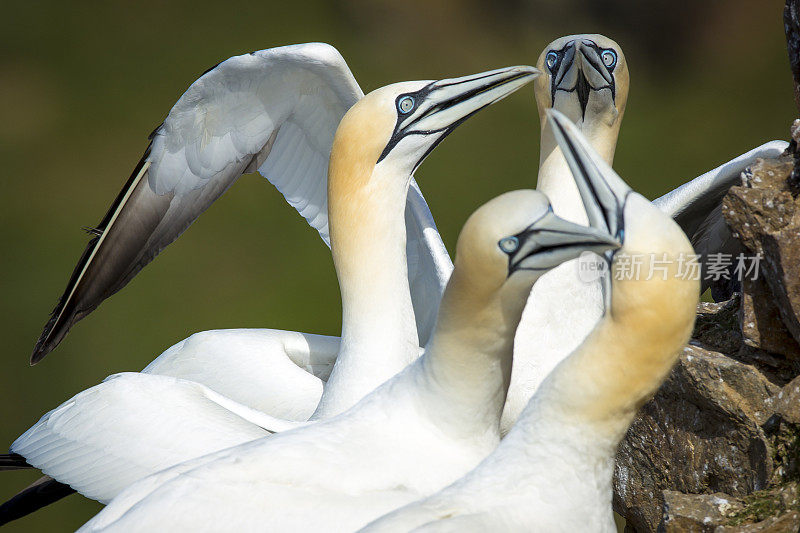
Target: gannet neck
{"type": "Point", "coordinates": [555, 178]}
{"type": "Point", "coordinates": [377, 146]}
{"type": "Point", "coordinates": [469, 358]}
{"type": "Point", "coordinates": [595, 392]}
{"type": "Point", "coordinates": [470, 355]}
{"type": "Point", "coordinates": [368, 243]}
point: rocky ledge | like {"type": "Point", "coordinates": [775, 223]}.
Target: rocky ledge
{"type": "Point", "coordinates": [718, 447]}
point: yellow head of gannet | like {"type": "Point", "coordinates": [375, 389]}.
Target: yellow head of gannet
{"type": "Point", "coordinates": [585, 77]}
{"type": "Point", "coordinates": [503, 249]}
{"type": "Point", "coordinates": [380, 141]}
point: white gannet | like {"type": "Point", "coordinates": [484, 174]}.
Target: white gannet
{"type": "Point", "coordinates": [553, 471]}
{"type": "Point", "coordinates": [586, 78]}
{"type": "Point", "coordinates": [411, 436]}
{"type": "Point", "coordinates": [274, 111]}
{"type": "Point", "coordinates": [133, 425]}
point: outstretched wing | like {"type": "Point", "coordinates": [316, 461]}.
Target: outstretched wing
{"type": "Point", "coordinates": [133, 425]}
{"type": "Point", "coordinates": [275, 111]}
{"type": "Point", "coordinates": [696, 205]}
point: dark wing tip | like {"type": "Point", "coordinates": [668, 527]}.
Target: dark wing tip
{"type": "Point", "coordinates": [13, 461]}
{"type": "Point", "coordinates": [40, 494]}
{"type": "Point", "coordinates": [61, 319]}
{"type": "Point", "coordinates": [66, 312]}
{"type": "Point", "coordinates": [42, 347]}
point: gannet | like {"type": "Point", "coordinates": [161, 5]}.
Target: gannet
{"type": "Point", "coordinates": [411, 436]}
{"type": "Point", "coordinates": [274, 111]}
{"type": "Point", "coordinates": [132, 425]}
{"type": "Point", "coordinates": [553, 471]}
{"type": "Point", "coordinates": [586, 78]}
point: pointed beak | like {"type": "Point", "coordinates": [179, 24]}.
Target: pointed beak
{"type": "Point", "coordinates": [582, 71]}
{"type": "Point", "coordinates": [448, 102]}
{"type": "Point", "coordinates": [551, 240]}
{"type": "Point", "coordinates": [603, 192]}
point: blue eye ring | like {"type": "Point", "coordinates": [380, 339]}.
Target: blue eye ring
{"type": "Point", "coordinates": [405, 104]}
{"type": "Point", "coordinates": [551, 59]}
{"type": "Point", "coordinates": [609, 58]}
{"type": "Point", "coordinates": [509, 245]}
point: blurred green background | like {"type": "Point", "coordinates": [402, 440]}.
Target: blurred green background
{"type": "Point", "coordinates": [82, 84]}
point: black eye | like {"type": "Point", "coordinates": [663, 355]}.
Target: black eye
{"type": "Point", "coordinates": [405, 104]}
{"type": "Point", "coordinates": [551, 59]}
{"type": "Point", "coordinates": [609, 58]}
{"type": "Point", "coordinates": [509, 245]}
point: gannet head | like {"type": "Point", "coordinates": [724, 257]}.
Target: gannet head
{"type": "Point", "coordinates": [512, 240]}
{"type": "Point", "coordinates": [397, 126]}
{"type": "Point", "coordinates": [586, 78]}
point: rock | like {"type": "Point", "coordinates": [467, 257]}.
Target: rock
{"type": "Point", "coordinates": [783, 429]}
{"type": "Point", "coordinates": [765, 216]}
{"type": "Point", "coordinates": [700, 433]}
{"type": "Point", "coordinates": [697, 513]}
{"type": "Point", "coordinates": [717, 326]}
{"type": "Point", "coordinates": [786, 403]}
{"type": "Point", "coordinates": [761, 323]}
{"type": "Point", "coordinates": [773, 511]}
{"type": "Point", "coordinates": [786, 523]}
{"type": "Point", "coordinates": [776, 510]}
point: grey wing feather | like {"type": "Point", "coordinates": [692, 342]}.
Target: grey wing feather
{"type": "Point", "coordinates": [429, 264]}
{"type": "Point", "coordinates": [696, 205]}
{"type": "Point", "coordinates": [275, 111]}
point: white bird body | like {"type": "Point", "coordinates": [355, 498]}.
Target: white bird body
{"type": "Point", "coordinates": [94, 439]}
{"type": "Point", "coordinates": [553, 470]}
{"type": "Point", "coordinates": [414, 434]}
{"type": "Point", "coordinates": [562, 309]}
{"type": "Point", "coordinates": [135, 424]}
{"type": "Point", "coordinates": [332, 476]}
{"type": "Point", "coordinates": [281, 373]}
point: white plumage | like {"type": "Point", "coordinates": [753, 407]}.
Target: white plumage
{"type": "Point", "coordinates": [553, 470]}
{"type": "Point", "coordinates": [264, 369]}
{"type": "Point", "coordinates": [417, 432]}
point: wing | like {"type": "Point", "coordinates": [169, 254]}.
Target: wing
{"type": "Point", "coordinates": [696, 205]}
{"type": "Point", "coordinates": [13, 461]}
{"type": "Point", "coordinates": [133, 425]}
{"type": "Point", "coordinates": [276, 111]}
{"type": "Point", "coordinates": [429, 264]}
{"type": "Point", "coordinates": [268, 370]}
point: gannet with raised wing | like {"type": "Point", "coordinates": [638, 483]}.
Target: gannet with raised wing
{"type": "Point", "coordinates": [274, 111]}
{"type": "Point", "coordinates": [133, 425]}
